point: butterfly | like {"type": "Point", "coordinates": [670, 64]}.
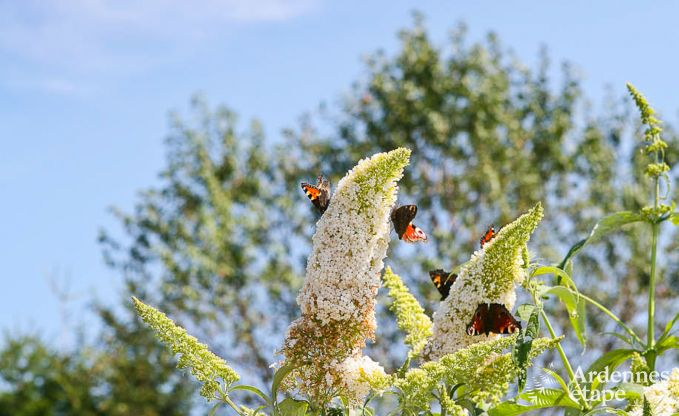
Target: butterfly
{"type": "Point", "coordinates": [443, 281]}
{"type": "Point", "coordinates": [319, 194]}
{"type": "Point", "coordinates": [402, 218]}
{"type": "Point", "coordinates": [492, 318]}
{"type": "Point", "coordinates": [488, 235]}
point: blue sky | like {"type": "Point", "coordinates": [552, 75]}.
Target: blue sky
{"type": "Point", "coordinates": [85, 87]}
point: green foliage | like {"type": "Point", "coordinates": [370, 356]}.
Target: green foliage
{"type": "Point", "coordinates": [523, 346]}
{"type": "Point", "coordinates": [575, 307]}
{"type": "Point", "coordinates": [537, 399]}
{"type": "Point", "coordinates": [43, 381]}
{"type": "Point", "coordinates": [606, 225]}
{"type": "Point", "coordinates": [483, 371]}
{"type": "Point", "coordinates": [118, 378]}
{"type": "Point", "coordinates": [292, 407]}
{"type": "Point", "coordinates": [647, 411]}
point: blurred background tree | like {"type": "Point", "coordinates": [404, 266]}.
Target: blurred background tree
{"type": "Point", "coordinates": [220, 243]}
{"type": "Point", "coordinates": [125, 373]}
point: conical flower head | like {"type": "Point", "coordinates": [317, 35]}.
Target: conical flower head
{"type": "Point", "coordinates": [342, 278]}
{"type": "Point", "coordinates": [484, 369]}
{"type": "Point", "coordinates": [489, 277]}
{"type": "Point", "coordinates": [410, 315]}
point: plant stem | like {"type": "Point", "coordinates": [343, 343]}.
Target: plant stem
{"type": "Point", "coordinates": [233, 405]}
{"type": "Point", "coordinates": [650, 336]}
{"type": "Point", "coordinates": [564, 359]}
{"type": "Point", "coordinates": [650, 343]}
{"type": "Point", "coordinates": [610, 314]}
{"type": "Point", "coordinates": [226, 399]}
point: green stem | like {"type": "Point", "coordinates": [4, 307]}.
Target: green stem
{"type": "Point", "coordinates": [233, 405]}
{"type": "Point", "coordinates": [650, 343]}
{"type": "Point", "coordinates": [610, 314]}
{"type": "Point", "coordinates": [226, 399]}
{"type": "Point", "coordinates": [564, 359]}
{"type": "Point", "coordinates": [650, 336]}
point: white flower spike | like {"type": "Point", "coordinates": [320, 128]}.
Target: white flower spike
{"type": "Point", "coordinates": [489, 277]}
{"type": "Point", "coordinates": [342, 277]}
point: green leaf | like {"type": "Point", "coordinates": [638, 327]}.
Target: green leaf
{"type": "Point", "coordinates": [621, 337]}
{"type": "Point", "coordinates": [533, 327]}
{"type": "Point", "coordinates": [520, 356]}
{"type": "Point", "coordinates": [467, 404]}
{"type": "Point", "coordinates": [669, 326]}
{"type": "Point", "coordinates": [667, 343]}
{"type": "Point", "coordinates": [647, 408]}
{"type": "Point", "coordinates": [612, 223]}
{"type": "Point", "coordinates": [538, 399]}
{"type": "Point", "coordinates": [368, 411]}
{"type": "Point", "coordinates": [552, 397]}
{"type": "Point", "coordinates": [576, 310]}
{"type": "Point", "coordinates": [558, 379]}
{"type": "Point", "coordinates": [525, 311]}
{"type": "Point", "coordinates": [278, 377]}
{"type": "Point", "coordinates": [605, 226]}
{"type": "Point", "coordinates": [629, 390]}
{"type": "Point", "coordinates": [523, 345]}
{"type": "Point", "coordinates": [404, 368]}
{"type": "Point", "coordinates": [563, 278]}
{"type": "Point", "coordinates": [214, 408]}
{"type": "Point", "coordinates": [610, 360]}
{"type": "Point", "coordinates": [251, 389]}
{"type": "Point", "coordinates": [292, 407]}
{"type": "Point", "coordinates": [675, 218]}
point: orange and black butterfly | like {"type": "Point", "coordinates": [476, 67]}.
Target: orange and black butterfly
{"type": "Point", "coordinates": [402, 218]}
{"type": "Point", "coordinates": [492, 318]}
{"type": "Point", "coordinates": [443, 280]}
{"type": "Point", "coordinates": [488, 235]}
{"type": "Point", "coordinates": [319, 194]}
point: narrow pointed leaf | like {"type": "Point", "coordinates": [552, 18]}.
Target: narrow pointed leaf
{"type": "Point", "coordinates": [576, 310]}
{"type": "Point", "coordinates": [605, 226]}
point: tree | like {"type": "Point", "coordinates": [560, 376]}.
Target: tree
{"type": "Point", "coordinates": [212, 245]}
{"type": "Point", "coordinates": [127, 373]}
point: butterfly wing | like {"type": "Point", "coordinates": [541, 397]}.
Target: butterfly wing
{"type": "Point", "coordinates": [414, 234]}
{"type": "Point", "coordinates": [488, 235]}
{"type": "Point", "coordinates": [402, 217]}
{"type": "Point", "coordinates": [478, 324]}
{"type": "Point", "coordinates": [502, 321]}
{"type": "Point", "coordinates": [324, 199]}
{"type": "Point", "coordinates": [318, 194]}
{"type": "Point", "coordinates": [443, 281]}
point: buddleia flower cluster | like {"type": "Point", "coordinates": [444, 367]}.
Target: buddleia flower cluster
{"type": "Point", "coordinates": [662, 397]}
{"type": "Point", "coordinates": [654, 144]}
{"type": "Point", "coordinates": [205, 366]}
{"type": "Point", "coordinates": [338, 297]}
{"type": "Point", "coordinates": [410, 316]}
{"type": "Point", "coordinates": [484, 370]}
{"type": "Point", "coordinates": [489, 277]}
